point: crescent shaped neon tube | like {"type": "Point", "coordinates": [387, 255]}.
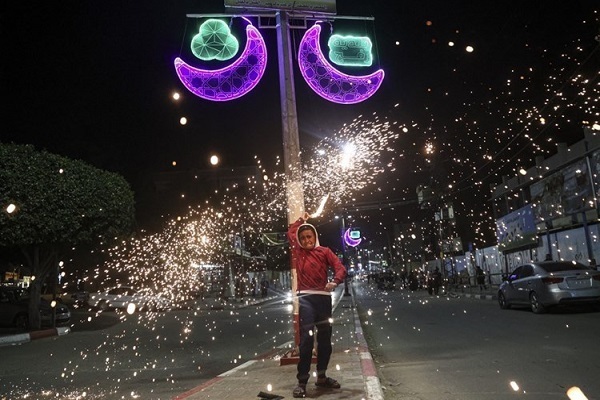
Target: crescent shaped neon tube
{"type": "Point", "coordinates": [328, 82]}
{"type": "Point", "coordinates": [233, 81]}
{"type": "Point", "coordinates": [349, 241]}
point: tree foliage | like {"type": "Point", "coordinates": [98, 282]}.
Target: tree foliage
{"type": "Point", "coordinates": [59, 202]}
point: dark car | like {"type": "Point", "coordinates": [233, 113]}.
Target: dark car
{"type": "Point", "coordinates": [541, 285]}
{"type": "Point", "coordinates": [386, 281]}
{"type": "Point", "coordinates": [14, 309]}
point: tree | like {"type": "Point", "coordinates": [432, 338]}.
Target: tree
{"type": "Point", "coordinates": [57, 202]}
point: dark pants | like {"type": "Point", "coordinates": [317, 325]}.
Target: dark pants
{"type": "Point", "coordinates": [314, 310]}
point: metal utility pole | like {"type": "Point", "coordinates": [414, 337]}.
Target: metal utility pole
{"type": "Point", "coordinates": [289, 120]}
{"type": "Point", "coordinates": [291, 148]}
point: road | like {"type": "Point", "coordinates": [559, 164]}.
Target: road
{"type": "Point", "coordinates": [425, 348]}
{"type": "Point", "coordinates": [444, 348]}
{"type": "Point", "coordinates": [145, 356]}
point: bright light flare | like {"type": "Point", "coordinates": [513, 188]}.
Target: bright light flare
{"type": "Point", "coordinates": [321, 206]}
{"type": "Point", "coordinates": [574, 393]}
{"type": "Point", "coordinates": [347, 155]}
{"type": "Point", "coordinates": [514, 386]}
{"type": "Point", "coordinates": [429, 149]}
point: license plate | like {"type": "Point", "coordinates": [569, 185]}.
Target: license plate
{"type": "Point", "coordinates": [579, 283]}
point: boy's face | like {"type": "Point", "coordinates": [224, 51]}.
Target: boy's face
{"type": "Point", "coordinates": [307, 239]}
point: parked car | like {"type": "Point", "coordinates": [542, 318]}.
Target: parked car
{"type": "Point", "coordinates": [541, 285]}
{"type": "Point", "coordinates": [121, 297]}
{"type": "Point", "coordinates": [80, 297]}
{"type": "Point", "coordinates": [14, 309]}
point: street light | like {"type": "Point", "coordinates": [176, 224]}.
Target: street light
{"type": "Point", "coordinates": [11, 208]}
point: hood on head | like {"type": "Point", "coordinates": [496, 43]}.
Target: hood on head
{"type": "Point", "coordinates": [313, 229]}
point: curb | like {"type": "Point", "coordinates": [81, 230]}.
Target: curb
{"type": "Point", "coordinates": [34, 335]}
{"type": "Point", "coordinates": [367, 365]}
{"type": "Point", "coordinates": [480, 296]}
{"type": "Point", "coordinates": [372, 383]}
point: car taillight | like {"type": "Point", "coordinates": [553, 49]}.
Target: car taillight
{"type": "Point", "coordinates": [549, 280]}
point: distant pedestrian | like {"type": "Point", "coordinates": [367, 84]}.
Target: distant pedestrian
{"type": "Point", "coordinates": [264, 287]}
{"type": "Point", "coordinates": [436, 278]}
{"type": "Point", "coordinates": [480, 278]}
{"type": "Point", "coordinates": [413, 281]}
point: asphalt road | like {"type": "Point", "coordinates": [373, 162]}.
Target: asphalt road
{"type": "Point", "coordinates": [444, 348]}
{"type": "Point", "coordinates": [146, 356]}
{"type": "Point", "coordinates": [425, 348]}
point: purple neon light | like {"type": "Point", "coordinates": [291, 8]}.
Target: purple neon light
{"type": "Point", "coordinates": [233, 81]}
{"type": "Point", "coordinates": [349, 241]}
{"type": "Point", "coordinates": [327, 81]}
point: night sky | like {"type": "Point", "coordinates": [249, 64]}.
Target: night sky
{"type": "Point", "coordinates": [93, 80]}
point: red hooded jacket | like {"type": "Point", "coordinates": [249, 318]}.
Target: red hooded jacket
{"type": "Point", "coordinates": [312, 265]}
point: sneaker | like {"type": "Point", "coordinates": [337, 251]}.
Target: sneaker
{"type": "Point", "coordinates": [299, 392]}
{"type": "Point", "coordinates": [328, 383]}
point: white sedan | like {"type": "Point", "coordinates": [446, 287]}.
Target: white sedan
{"type": "Point", "coordinates": [128, 298]}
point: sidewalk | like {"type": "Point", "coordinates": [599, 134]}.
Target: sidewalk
{"type": "Point", "coordinates": [351, 364]}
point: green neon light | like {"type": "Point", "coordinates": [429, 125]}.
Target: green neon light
{"type": "Point", "coordinates": [350, 50]}
{"type": "Point", "coordinates": [214, 42]}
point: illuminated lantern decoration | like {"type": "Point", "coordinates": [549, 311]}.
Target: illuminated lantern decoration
{"type": "Point", "coordinates": [350, 50]}
{"type": "Point", "coordinates": [349, 240]}
{"type": "Point", "coordinates": [233, 81]}
{"type": "Point", "coordinates": [327, 81]}
{"type": "Point", "coordinates": [214, 41]}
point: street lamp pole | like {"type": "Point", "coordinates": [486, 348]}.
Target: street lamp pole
{"type": "Point", "coordinates": [345, 255]}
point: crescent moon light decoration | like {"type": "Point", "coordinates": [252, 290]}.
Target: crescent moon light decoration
{"type": "Point", "coordinates": [349, 241]}
{"type": "Point", "coordinates": [233, 81]}
{"type": "Point", "coordinates": [326, 80]}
